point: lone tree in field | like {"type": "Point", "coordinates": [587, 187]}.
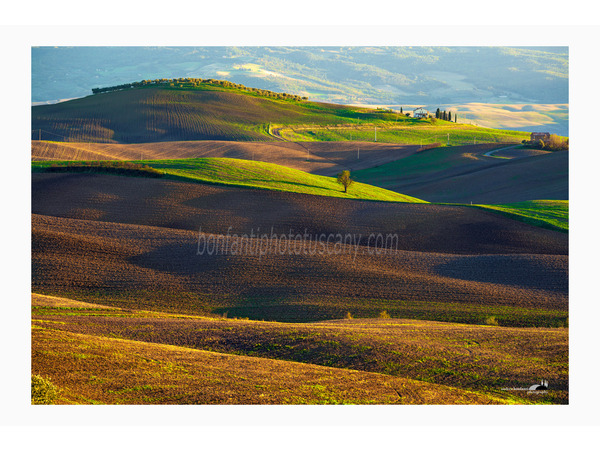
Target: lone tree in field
{"type": "Point", "coordinates": [344, 179]}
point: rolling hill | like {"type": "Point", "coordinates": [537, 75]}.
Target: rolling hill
{"type": "Point", "coordinates": [381, 360]}
{"type": "Point", "coordinates": [251, 174]}
{"type": "Point", "coordinates": [121, 239]}
{"type": "Point", "coordinates": [183, 251]}
{"type": "Point", "coordinates": [163, 113]}
{"type": "Point", "coordinates": [465, 175]}
{"type": "Point", "coordinates": [151, 114]}
{"type": "Point", "coordinates": [322, 158]}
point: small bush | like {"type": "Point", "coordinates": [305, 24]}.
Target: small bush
{"type": "Point", "coordinates": [491, 321]}
{"type": "Point", "coordinates": [43, 392]}
{"type": "Point", "coordinates": [348, 316]}
{"type": "Point", "coordinates": [384, 315]}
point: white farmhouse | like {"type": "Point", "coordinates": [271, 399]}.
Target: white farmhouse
{"type": "Point", "coordinates": [420, 113]}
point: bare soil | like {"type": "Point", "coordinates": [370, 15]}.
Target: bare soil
{"type": "Point", "coordinates": [131, 237]}
{"type": "Point", "coordinates": [322, 158]}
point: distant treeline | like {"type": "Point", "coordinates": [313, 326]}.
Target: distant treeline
{"type": "Point", "coordinates": [198, 82]}
{"type": "Point", "coordinates": [445, 115]}
{"type": "Point", "coordinates": [112, 167]}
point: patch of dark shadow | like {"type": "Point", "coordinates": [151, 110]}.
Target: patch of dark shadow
{"type": "Point", "coordinates": [212, 197]}
{"type": "Point", "coordinates": [282, 312]}
{"type": "Point", "coordinates": [526, 271]}
{"type": "Point", "coordinates": [242, 201]}
{"type": "Point", "coordinates": [270, 291]}
{"type": "Point", "coordinates": [182, 259]}
{"type": "Point", "coordinates": [488, 236]}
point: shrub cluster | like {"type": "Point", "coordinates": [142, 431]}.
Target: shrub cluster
{"type": "Point", "coordinates": [197, 82]}
{"type": "Point", "coordinates": [115, 167]}
{"type": "Point", "coordinates": [43, 392]}
{"type": "Point", "coordinates": [553, 144]}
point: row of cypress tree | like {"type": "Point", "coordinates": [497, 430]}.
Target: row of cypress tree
{"type": "Point", "coordinates": [445, 115]}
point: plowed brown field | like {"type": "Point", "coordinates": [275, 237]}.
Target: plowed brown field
{"type": "Point", "coordinates": [136, 240]}
{"type": "Point", "coordinates": [541, 177]}
{"type": "Point", "coordinates": [323, 158]}
{"type": "Point", "coordinates": [189, 206]}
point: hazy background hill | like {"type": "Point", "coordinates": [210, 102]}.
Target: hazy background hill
{"type": "Point", "coordinates": [482, 83]}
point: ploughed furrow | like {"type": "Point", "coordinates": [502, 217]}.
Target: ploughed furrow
{"type": "Point", "coordinates": [322, 158]}
{"type": "Point", "coordinates": [182, 270]}
{"type": "Point", "coordinates": [222, 210]}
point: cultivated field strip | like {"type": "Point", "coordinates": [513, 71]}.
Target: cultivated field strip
{"type": "Point", "coordinates": [222, 209]}
{"type": "Point", "coordinates": [150, 115]}
{"type": "Point", "coordinates": [544, 177]}
{"type": "Point", "coordinates": [94, 369]}
{"type": "Point", "coordinates": [473, 357]}
{"type": "Point", "coordinates": [323, 158]}
{"type": "Point", "coordinates": [124, 261]}
{"type": "Point", "coordinates": [461, 175]}
{"type": "Point", "coordinates": [441, 133]}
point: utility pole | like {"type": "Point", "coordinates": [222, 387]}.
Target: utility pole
{"type": "Point", "coordinates": [358, 152]}
{"type": "Point", "coordinates": [375, 134]}
{"type": "Point", "coordinates": [448, 139]}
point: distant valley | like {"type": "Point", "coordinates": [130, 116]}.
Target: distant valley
{"type": "Point", "coordinates": [477, 82]}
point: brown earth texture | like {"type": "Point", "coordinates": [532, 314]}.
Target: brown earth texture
{"type": "Point", "coordinates": [191, 247]}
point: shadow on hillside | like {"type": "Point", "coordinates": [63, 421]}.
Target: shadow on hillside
{"type": "Point", "coordinates": [525, 271]}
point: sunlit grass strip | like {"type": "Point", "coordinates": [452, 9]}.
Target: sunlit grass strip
{"type": "Point", "coordinates": [552, 214]}
{"type": "Point", "coordinates": [252, 174]}
{"type": "Point", "coordinates": [264, 175]}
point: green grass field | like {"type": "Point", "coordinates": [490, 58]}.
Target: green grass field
{"type": "Point", "coordinates": [404, 131]}
{"type": "Point", "coordinates": [552, 214]}
{"type": "Point", "coordinates": [257, 174]}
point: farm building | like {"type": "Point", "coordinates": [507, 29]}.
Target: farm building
{"type": "Point", "coordinates": [420, 113]}
{"type": "Point", "coordinates": [540, 136]}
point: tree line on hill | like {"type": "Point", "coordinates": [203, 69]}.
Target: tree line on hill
{"type": "Point", "coordinates": [198, 82]}
{"type": "Point", "coordinates": [445, 115]}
